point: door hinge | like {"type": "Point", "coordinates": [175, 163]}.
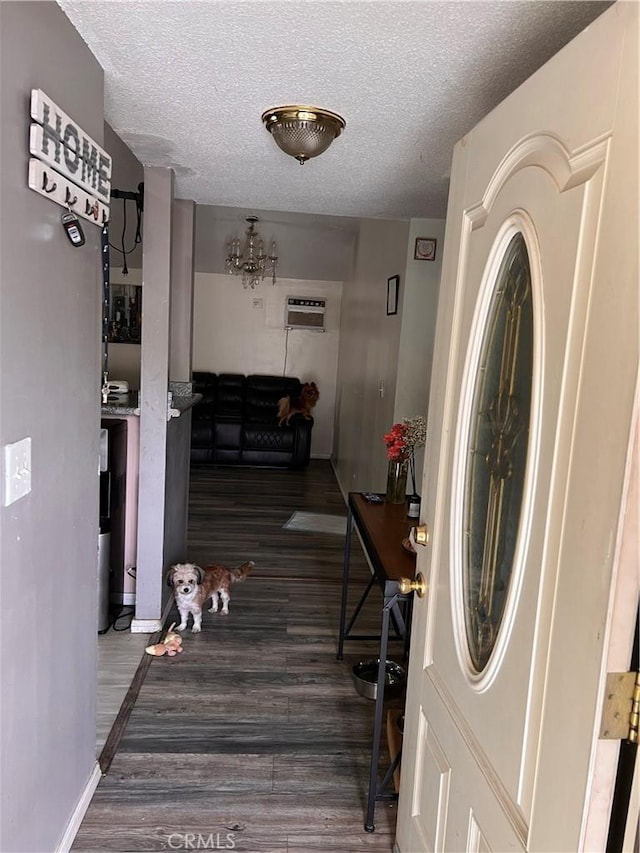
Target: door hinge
{"type": "Point", "coordinates": [621, 710]}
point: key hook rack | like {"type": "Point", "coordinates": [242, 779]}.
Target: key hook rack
{"type": "Point", "coordinates": [66, 165]}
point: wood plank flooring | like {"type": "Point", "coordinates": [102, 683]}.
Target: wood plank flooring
{"type": "Point", "coordinates": [118, 658]}
{"type": "Point", "coordinates": [253, 739]}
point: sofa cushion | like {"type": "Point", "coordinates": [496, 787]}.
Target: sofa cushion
{"type": "Point", "coordinates": [202, 454]}
{"type": "Point", "coordinates": [202, 432]}
{"type": "Point", "coordinates": [227, 441]}
{"type": "Point", "coordinates": [227, 434]}
{"type": "Point", "coordinates": [205, 384]}
{"type": "Point", "coordinates": [231, 391]}
{"type": "Point", "coordinates": [263, 436]}
{"type": "Point", "coordinates": [263, 394]}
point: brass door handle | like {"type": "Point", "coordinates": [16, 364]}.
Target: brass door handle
{"type": "Point", "coordinates": [406, 585]}
{"type": "Point", "coordinates": [421, 534]}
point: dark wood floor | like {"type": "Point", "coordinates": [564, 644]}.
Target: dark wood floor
{"type": "Point", "coordinates": [253, 739]}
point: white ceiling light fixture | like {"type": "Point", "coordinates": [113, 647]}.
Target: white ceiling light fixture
{"type": "Point", "coordinates": [302, 131]}
{"type": "Point", "coordinates": [251, 261]}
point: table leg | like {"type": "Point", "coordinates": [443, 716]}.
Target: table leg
{"type": "Point", "coordinates": [398, 621]}
{"type": "Point", "coordinates": [345, 585]}
{"type": "Point", "coordinates": [377, 724]}
{"type": "Point", "coordinates": [359, 606]}
{"type": "Point", "coordinates": [387, 778]}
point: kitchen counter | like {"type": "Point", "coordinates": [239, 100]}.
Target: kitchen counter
{"type": "Point", "coordinates": [121, 404]}
{"type": "Point", "coordinates": [127, 404]}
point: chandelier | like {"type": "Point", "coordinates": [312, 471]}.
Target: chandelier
{"type": "Point", "coordinates": [251, 261]}
{"type": "Point", "coordinates": [301, 131]}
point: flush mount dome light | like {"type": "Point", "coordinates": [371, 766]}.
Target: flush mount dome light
{"type": "Point", "coordinates": [303, 132]}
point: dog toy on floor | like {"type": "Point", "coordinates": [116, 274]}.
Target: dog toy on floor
{"type": "Point", "coordinates": [171, 645]}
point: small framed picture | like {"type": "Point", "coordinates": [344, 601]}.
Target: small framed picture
{"type": "Point", "coordinates": [393, 285]}
{"type": "Point", "coordinates": [425, 249]}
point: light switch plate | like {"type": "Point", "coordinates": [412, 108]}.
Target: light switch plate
{"type": "Point", "coordinates": [17, 470]}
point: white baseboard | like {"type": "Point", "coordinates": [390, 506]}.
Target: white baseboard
{"type": "Point", "coordinates": [150, 626]}
{"type": "Point", "coordinates": [335, 471]}
{"type": "Point", "coordinates": [80, 810]}
{"type": "Point", "coordinates": [145, 626]}
{"type": "Point", "coordinates": [320, 456]}
{"type": "Point", "coordinates": [126, 599]}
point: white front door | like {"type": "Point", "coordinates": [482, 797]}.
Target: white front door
{"type": "Point", "coordinates": [527, 460]}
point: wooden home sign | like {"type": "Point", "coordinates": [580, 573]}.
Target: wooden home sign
{"type": "Point", "coordinates": [67, 166]}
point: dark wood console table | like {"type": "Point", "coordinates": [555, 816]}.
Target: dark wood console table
{"type": "Point", "coordinates": [381, 527]}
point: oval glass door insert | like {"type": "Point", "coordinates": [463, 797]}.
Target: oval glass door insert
{"type": "Point", "coordinates": [497, 452]}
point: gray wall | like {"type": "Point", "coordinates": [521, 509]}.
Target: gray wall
{"type": "Point", "coordinates": [127, 174]}
{"type": "Point", "coordinates": [181, 307]}
{"type": "Point", "coordinates": [154, 384]}
{"type": "Point", "coordinates": [176, 507]}
{"type": "Point", "coordinates": [124, 359]}
{"type": "Point", "coordinates": [49, 381]}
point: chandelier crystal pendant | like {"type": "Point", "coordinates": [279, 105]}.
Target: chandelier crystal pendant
{"type": "Point", "coordinates": [303, 132]}
{"type": "Point", "coordinates": [250, 260]}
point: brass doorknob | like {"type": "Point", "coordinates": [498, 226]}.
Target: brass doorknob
{"type": "Point", "coordinates": [421, 534]}
{"type": "Point", "coordinates": [406, 585]}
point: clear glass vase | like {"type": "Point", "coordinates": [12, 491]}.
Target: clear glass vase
{"type": "Point", "coordinates": [397, 482]}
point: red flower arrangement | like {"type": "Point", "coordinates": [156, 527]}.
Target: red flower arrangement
{"type": "Point", "coordinates": [402, 440]}
{"type": "Point", "coordinates": [396, 440]}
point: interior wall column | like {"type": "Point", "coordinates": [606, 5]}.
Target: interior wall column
{"type": "Point", "coordinates": [154, 375]}
{"type": "Point", "coordinates": [181, 320]}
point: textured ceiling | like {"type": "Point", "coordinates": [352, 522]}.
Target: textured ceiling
{"type": "Point", "coordinates": [187, 81]}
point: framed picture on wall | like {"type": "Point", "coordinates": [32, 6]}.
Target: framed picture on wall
{"type": "Point", "coordinates": [393, 285]}
{"type": "Point", "coordinates": [425, 249]}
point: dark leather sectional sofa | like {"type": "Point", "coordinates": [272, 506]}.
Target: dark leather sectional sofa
{"type": "Point", "coordinates": [236, 422]}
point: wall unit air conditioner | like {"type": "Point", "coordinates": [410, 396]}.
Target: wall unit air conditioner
{"type": "Point", "coordinates": [303, 313]}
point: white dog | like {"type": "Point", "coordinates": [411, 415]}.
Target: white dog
{"type": "Point", "coordinates": [192, 586]}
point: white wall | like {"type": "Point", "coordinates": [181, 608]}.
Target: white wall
{"type": "Point", "coordinates": [419, 310]}
{"type": "Point", "coordinates": [379, 351]}
{"type": "Point", "coordinates": [369, 342]}
{"type": "Point", "coordinates": [242, 331]}
{"type": "Point", "coordinates": [309, 246]}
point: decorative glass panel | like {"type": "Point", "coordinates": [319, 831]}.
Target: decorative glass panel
{"type": "Point", "coordinates": [498, 440]}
